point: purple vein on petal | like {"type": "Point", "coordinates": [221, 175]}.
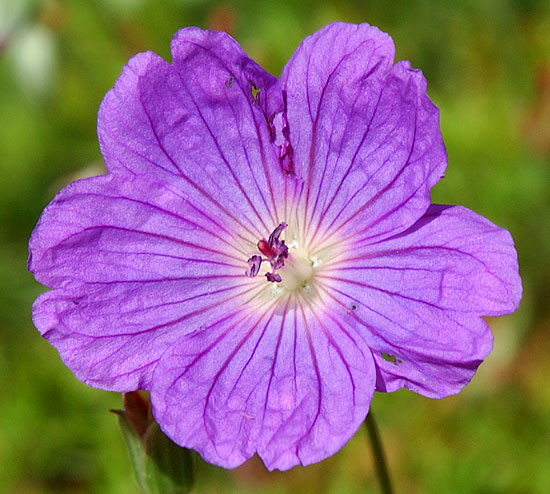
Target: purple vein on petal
{"type": "Point", "coordinates": [368, 204]}
{"type": "Point", "coordinates": [224, 239]}
{"type": "Point", "coordinates": [293, 192]}
{"type": "Point", "coordinates": [328, 204]}
{"type": "Point", "coordinates": [282, 328]}
{"type": "Point", "coordinates": [369, 239]}
{"type": "Point", "coordinates": [157, 235]}
{"type": "Point", "coordinates": [212, 277]}
{"type": "Point", "coordinates": [272, 210]}
{"type": "Point", "coordinates": [198, 296]}
{"type": "Point", "coordinates": [405, 328]}
{"type": "Point", "coordinates": [174, 257]}
{"type": "Point", "coordinates": [275, 355]}
{"type": "Point", "coordinates": [268, 171]}
{"type": "Point", "coordinates": [236, 236]}
{"type": "Point", "coordinates": [313, 145]}
{"type": "Point", "coordinates": [253, 327]}
{"type": "Point", "coordinates": [261, 335]}
{"type": "Point", "coordinates": [307, 332]}
{"type": "Point", "coordinates": [114, 352]}
{"type": "Point", "coordinates": [322, 212]}
{"type": "Point", "coordinates": [235, 297]}
{"type": "Point", "coordinates": [328, 292]}
{"type": "Point", "coordinates": [315, 208]}
{"type": "Point", "coordinates": [255, 232]}
{"type": "Point", "coordinates": [223, 157]}
{"type": "Point", "coordinates": [337, 324]}
{"type": "Point", "coordinates": [236, 347]}
{"type": "Point", "coordinates": [229, 167]}
{"type": "Point", "coordinates": [393, 294]}
{"type": "Point", "coordinates": [406, 250]}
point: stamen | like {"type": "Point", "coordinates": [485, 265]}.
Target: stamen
{"type": "Point", "coordinates": [273, 277]}
{"type": "Point", "coordinates": [275, 234]}
{"type": "Point", "coordinates": [254, 264]}
{"type": "Point", "coordinates": [274, 250]}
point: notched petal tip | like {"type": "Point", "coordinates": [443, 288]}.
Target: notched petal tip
{"type": "Point", "coordinates": [217, 49]}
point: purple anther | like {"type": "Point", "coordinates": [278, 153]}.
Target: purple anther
{"type": "Point", "coordinates": [278, 259]}
{"type": "Point", "coordinates": [273, 277]}
{"type": "Point", "coordinates": [273, 239]}
{"type": "Point", "coordinates": [254, 264]}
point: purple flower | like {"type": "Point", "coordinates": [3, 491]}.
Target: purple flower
{"type": "Point", "coordinates": [263, 255]}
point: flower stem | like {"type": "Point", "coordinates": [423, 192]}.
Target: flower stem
{"type": "Point", "coordinates": [378, 455]}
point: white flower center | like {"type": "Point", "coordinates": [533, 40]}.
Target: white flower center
{"type": "Point", "coordinates": [287, 266]}
{"type": "Point", "coordinates": [298, 271]}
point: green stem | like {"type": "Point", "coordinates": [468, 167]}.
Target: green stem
{"type": "Point", "coordinates": [378, 455]}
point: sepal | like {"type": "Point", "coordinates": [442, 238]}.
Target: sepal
{"type": "Point", "coordinates": [160, 465]}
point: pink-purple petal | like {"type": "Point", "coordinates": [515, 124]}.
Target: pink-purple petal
{"type": "Point", "coordinates": [115, 362]}
{"type": "Point", "coordinates": [365, 136]}
{"type": "Point", "coordinates": [288, 386]}
{"type": "Point", "coordinates": [452, 258]}
{"type": "Point", "coordinates": [128, 268]}
{"type": "Point", "coordinates": [197, 123]}
{"type": "Point", "coordinates": [124, 229]}
{"type": "Point", "coordinates": [431, 368]}
{"type": "Point", "coordinates": [112, 335]}
{"type": "Point", "coordinates": [418, 298]}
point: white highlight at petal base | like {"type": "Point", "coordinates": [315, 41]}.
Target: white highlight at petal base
{"type": "Point", "coordinates": [301, 271]}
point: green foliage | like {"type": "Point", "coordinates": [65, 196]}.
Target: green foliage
{"type": "Point", "coordinates": [488, 69]}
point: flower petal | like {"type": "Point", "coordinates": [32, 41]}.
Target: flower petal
{"type": "Point", "coordinates": [128, 268]}
{"type": "Point", "coordinates": [289, 385]}
{"type": "Point", "coordinates": [419, 296]}
{"type": "Point", "coordinates": [452, 258]}
{"type": "Point", "coordinates": [112, 335]}
{"type": "Point", "coordinates": [201, 124]}
{"type": "Point", "coordinates": [116, 362]}
{"type": "Point", "coordinates": [128, 229]}
{"type": "Point", "coordinates": [366, 137]}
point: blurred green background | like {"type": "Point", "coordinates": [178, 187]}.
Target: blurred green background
{"type": "Point", "coordinates": [488, 67]}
